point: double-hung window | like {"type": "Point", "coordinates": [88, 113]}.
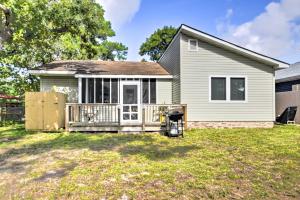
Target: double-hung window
{"type": "Point", "coordinates": [228, 89]}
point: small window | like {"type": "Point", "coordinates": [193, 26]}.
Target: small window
{"type": "Point", "coordinates": [237, 89]}
{"type": "Point", "coordinates": [193, 45]}
{"type": "Point", "coordinates": [218, 88]}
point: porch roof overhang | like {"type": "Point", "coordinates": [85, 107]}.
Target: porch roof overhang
{"type": "Point", "coordinates": [52, 73]}
{"type": "Point", "coordinates": [122, 76]}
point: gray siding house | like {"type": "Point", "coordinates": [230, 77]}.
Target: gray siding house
{"type": "Point", "coordinates": [221, 84]}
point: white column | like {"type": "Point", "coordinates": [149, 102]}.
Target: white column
{"type": "Point", "coordinates": [79, 90]}
{"type": "Point", "coordinates": [94, 90]}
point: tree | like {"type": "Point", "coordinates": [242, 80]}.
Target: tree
{"type": "Point", "coordinates": [157, 43]}
{"type": "Point", "coordinates": [33, 33]}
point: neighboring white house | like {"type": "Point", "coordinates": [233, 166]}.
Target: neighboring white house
{"type": "Point", "coordinates": [222, 84]}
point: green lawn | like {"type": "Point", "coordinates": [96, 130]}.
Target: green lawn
{"type": "Point", "coordinates": [208, 163]}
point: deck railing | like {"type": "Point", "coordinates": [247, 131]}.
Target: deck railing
{"type": "Point", "coordinates": [153, 112]}
{"type": "Point", "coordinates": [92, 114]}
{"type": "Point", "coordinates": [109, 114]}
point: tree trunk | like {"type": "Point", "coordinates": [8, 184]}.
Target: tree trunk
{"type": "Point", "coordinates": [5, 31]}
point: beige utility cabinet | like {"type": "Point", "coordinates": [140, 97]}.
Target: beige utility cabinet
{"type": "Point", "coordinates": [44, 110]}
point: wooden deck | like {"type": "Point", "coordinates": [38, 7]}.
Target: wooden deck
{"type": "Point", "coordinates": [106, 117]}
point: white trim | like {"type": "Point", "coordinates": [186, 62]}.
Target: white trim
{"type": "Point", "coordinates": [274, 97]}
{"type": "Point", "coordinates": [189, 45]}
{"type": "Point", "coordinates": [119, 81]}
{"type": "Point", "coordinates": [123, 76]}
{"type": "Point", "coordinates": [139, 105]}
{"type": "Point", "coordinates": [149, 93]}
{"type": "Point", "coordinates": [228, 90]}
{"type": "Point", "coordinates": [45, 72]}
{"type": "Point", "coordinates": [79, 90]}
{"type": "Point", "coordinates": [86, 90]}
{"type": "Point", "coordinates": [94, 90]}
{"type": "Point", "coordinates": [102, 94]}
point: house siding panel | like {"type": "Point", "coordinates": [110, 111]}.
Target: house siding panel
{"type": "Point", "coordinates": [197, 66]}
{"type": "Point", "coordinates": [171, 62]}
{"type": "Point", "coordinates": [67, 85]}
{"type": "Point", "coordinates": [164, 91]}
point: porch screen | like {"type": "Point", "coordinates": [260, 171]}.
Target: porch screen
{"type": "Point", "coordinates": [145, 90]}
{"type": "Point", "coordinates": [114, 90]}
{"type": "Point", "coordinates": [149, 91]}
{"type": "Point", "coordinates": [91, 90]}
{"type": "Point", "coordinates": [83, 91]}
{"type": "Point", "coordinates": [99, 90]}
{"type": "Point", "coordinates": [106, 90]}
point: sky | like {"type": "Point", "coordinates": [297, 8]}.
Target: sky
{"type": "Point", "coordinates": [270, 27]}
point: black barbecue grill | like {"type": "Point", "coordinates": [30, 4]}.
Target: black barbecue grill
{"type": "Point", "coordinates": [175, 123]}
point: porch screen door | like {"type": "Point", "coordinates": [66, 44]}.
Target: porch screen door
{"type": "Point", "coordinates": [130, 99]}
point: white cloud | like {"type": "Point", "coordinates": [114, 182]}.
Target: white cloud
{"type": "Point", "coordinates": [275, 32]}
{"type": "Point", "coordinates": [119, 12]}
{"type": "Point", "coordinates": [224, 23]}
{"type": "Point", "coordinates": [229, 13]}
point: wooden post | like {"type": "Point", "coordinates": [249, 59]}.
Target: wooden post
{"type": "Point", "coordinates": [67, 118]}
{"type": "Point", "coordinates": [119, 116]}
{"type": "Point", "coordinates": [185, 117]}
{"type": "Point", "coordinates": [143, 119]}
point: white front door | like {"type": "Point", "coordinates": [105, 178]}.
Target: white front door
{"type": "Point", "coordinates": [130, 102]}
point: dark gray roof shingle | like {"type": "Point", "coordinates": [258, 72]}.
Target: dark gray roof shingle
{"type": "Point", "coordinates": [106, 67]}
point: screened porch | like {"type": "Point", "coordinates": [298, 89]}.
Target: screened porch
{"type": "Point", "coordinates": [117, 104]}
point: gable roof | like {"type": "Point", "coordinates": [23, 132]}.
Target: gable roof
{"type": "Point", "coordinates": [289, 74]}
{"type": "Point", "coordinates": [96, 67]}
{"type": "Point", "coordinates": [227, 45]}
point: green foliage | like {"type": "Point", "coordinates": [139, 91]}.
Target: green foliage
{"type": "Point", "coordinates": [48, 30]}
{"type": "Point", "coordinates": [157, 43]}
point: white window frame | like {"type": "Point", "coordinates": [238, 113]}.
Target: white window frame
{"type": "Point", "coordinates": [228, 89]}
{"type": "Point", "coordinates": [189, 45]}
